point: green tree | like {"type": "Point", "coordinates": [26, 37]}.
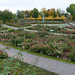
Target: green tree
{"type": "Point", "coordinates": [46, 13]}
{"type": "Point", "coordinates": [20, 14]}
{"type": "Point", "coordinates": [35, 13]}
{"type": "Point", "coordinates": [54, 12]}
{"type": "Point", "coordinates": [71, 10]}
{"type": "Point", "coordinates": [7, 16]}
{"type": "Point", "coordinates": [30, 13]}
{"type": "Point", "coordinates": [0, 15]}
{"type": "Point", "coordinates": [58, 12]}
{"type": "Point", "coordinates": [27, 13]}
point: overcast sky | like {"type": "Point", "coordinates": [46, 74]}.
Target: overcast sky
{"type": "Point", "coordinates": [14, 5]}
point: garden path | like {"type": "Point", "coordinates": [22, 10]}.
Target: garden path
{"type": "Point", "coordinates": [71, 24]}
{"type": "Point", "coordinates": [35, 30]}
{"type": "Point", "coordinates": [70, 29]}
{"type": "Point", "coordinates": [63, 34]}
{"type": "Point", "coordinates": [18, 28]}
{"type": "Point", "coordinates": [59, 25]}
{"type": "Point", "coordinates": [45, 63]}
{"type": "Point", "coordinates": [10, 26]}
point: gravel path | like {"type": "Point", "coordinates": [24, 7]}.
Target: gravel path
{"type": "Point", "coordinates": [71, 24]}
{"type": "Point", "coordinates": [10, 26]}
{"type": "Point", "coordinates": [59, 25]}
{"type": "Point", "coordinates": [19, 28]}
{"type": "Point", "coordinates": [35, 30]}
{"type": "Point", "coordinates": [45, 63]}
{"type": "Point", "coordinates": [31, 30]}
{"type": "Point", "coordinates": [70, 29]}
{"type": "Point", "coordinates": [63, 34]}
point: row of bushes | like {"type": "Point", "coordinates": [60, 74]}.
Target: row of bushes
{"type": "Point", "coordinates": [49, 18]}
{"type": "Point", "coordinates": [40, 42]}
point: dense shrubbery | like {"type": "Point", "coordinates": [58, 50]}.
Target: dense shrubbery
{"type": "Point", "coordinates": [18, 24]}
{"type": "Point", "coordinates": [12, 66]}
{"type": "Point", "coordinates": [72, 56]}
{"type": "Point", "coordinates": [3, 54]}
{"type": "Point", "coordinates": [41, 42]}
{"type": "Point", "coordinates": [55, 29]}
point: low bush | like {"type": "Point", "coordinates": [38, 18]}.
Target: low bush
{"type": "Point", "coordinates": [16, 41]}
{"type": "Point", "coordinates": [3, 54]}
{"type": "Point", "coordinates": [72, 56]}
{"type": "Point", "coordinates": [43, 33]}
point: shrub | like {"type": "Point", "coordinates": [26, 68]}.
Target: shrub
{"type": "Point", "coordinates": [27, 25]}
{"type": "Point", "coordinates": [0, 25]}
{"type": "Point", "coordinates": [55, 49]}
{"type": "Point", "coordinates": [72, 37]}
{"type": "Point", "coordinates": [12, 30]}
{"type": "Point", "coordinates": [3, 54]}
{"type": "Point", "coordinates": [16, 41]}
{"type": "Point", "coordinates": [43, 33]}
{"type": "Point", "coordinates": [30, 35]}
{"type": "Point", "coordinates": [40, 48]}
{"type": "Point", "coordinates": [72, 56]}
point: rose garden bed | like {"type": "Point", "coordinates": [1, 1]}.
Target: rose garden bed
{"type": "Point", "coordinates": [42, 42]}
{"type": "Point", "coordinates": [18, 24]}
{"type": "Point", "coordinates": [54, 29]}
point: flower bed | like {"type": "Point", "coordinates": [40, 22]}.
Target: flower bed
{"type": "Point", "coordinates": [54, 29]}
{"type": "Point", "coordinates": [41, 42]}
{"type": "Point", "coordinates": [11, 66]}
{"type": "Point", "coordinates": [18, 24]}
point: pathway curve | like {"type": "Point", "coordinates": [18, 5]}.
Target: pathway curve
{"type": "Point", "coordinates": [70, 29]}
{"type": "Point", "coordinates": [19, 28]}
{"type": "Point", "coordinates": [45, 63]}
{"type": "Point", "coordinates": [35, 30]}
{"type": "Point", "coordinates": [71, 24]}
{"type": "Point", "coordinates": [59, 25]}
{"type": "Point", "coordinates": [63, 34]}
{"type": "Point", "coordinates": [10, 26]}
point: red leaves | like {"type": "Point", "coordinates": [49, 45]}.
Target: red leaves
{"type": "Point", "coordinates": [71, 44]}
{"type": "Point", "coordinates": [68, 32]}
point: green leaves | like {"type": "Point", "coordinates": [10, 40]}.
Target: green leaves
{"type": "Point", "coordinates": [71, 10]}
{"type": "Point", "coordinates": [35, 13]}
{"type": "Point", "coordinates": [6, 15]}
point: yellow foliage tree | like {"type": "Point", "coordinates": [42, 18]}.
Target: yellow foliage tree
{"type": "Point", "coordinates": [57, 18]}
{"type": "Point", "coordinates": [50, 18]}
{"type": "Point", "coordinates": [63, 17]}
{"type": "Point", "coordinates": [39, 18]}
{"type": "Point", "coordinates": [31, 18]}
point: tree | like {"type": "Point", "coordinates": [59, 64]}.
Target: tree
{"type": "Point", "coordinates": [58, 12]}
{"type": "Point", "coordinates": [52, 12]}
{"type": "Point", "coordinates": [20, 14]}
{"type": "Point", "coordinates": [71, 10]}
{"type": "Point", "coordinates": [27, 13]}
{"type": "Point", "coordinates": [7, 16]}
{"type": "Point", "coordinates": [30, 13]}
{"type": "Point", "coordinates": [35, 13]}
{"type": "Point", "coordinates": [45, 12]}
{"type": "Point", "coordinates": [1, 15]}
{"type": "Point", "coordinates": [43, 9]}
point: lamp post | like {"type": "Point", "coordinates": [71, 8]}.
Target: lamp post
{"type": "Point", "coordinates": [43, 17]}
